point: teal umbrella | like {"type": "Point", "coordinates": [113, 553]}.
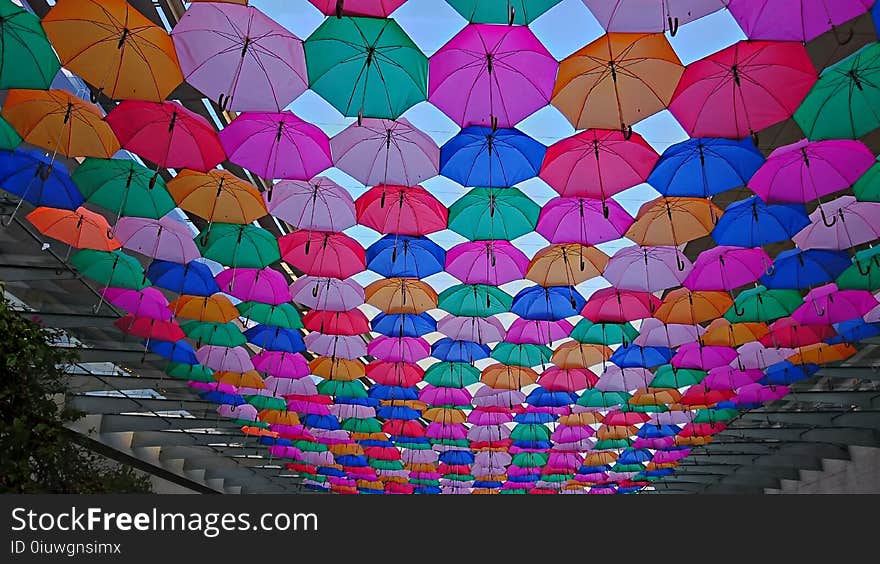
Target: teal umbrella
{"type": "Point", "coordinates": [603, 333]}
{"type": "Point", "coordinates": [124, 187]}
{"type": "Point", "coordinates": [27, 59]}
{"type": "Point", "coordinates": [281, 315]}
{"type": "Point", "coordinates": [474, 300]}
{"type": "Point", "coordinates": [493, 213]}
{"type": "Point", "coordinates": [527, 355]}
{"type": "Point", "coordinates": [452, 375]}
{"type": "Point", "coordinates": [240, 246]}
{"type": "Point", "coordinates": [115, 268]}
{"type": "Point", "coordinates": [9, 137]}
{"type": "Point", "coordinates": [518, 12]}
{"type": "Point", "coordinates": [209, 333]}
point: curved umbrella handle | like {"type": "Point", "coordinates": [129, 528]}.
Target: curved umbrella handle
{"type": "Point", "coordinates": [511, 14]}
{"type": "Point", "coordinates": [627, 131]}
{"type": "Point", "coordinates": [739, 312]}
{"type": "Point", "coordinates": [825, 218]}
{"type": "Point", "coordinates": [605, 210]}
{"type": "Point", "coordinates": [153, 179]}
{"type": "Point", "coordinates": [673, 25]}
{"type": "Point", "coordinates": [44, 172]}
{"type": "Point", "coordinates": [94, 95]}
{"type": "Point", "coordinates": [865, 271]}
{"type": "Point", "coordinates": [223, 101]}
{"type": "Point", "coordinates": [679, 263]}
{"type": "Point", "coordinates": [308, 245]}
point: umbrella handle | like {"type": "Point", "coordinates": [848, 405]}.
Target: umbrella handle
{"type": "Point", "coordinates": [754, 136]}
{"type": "Point", "coordinates": [95, 95]}
{"type": "Point", "coordinates": [673, 25]}
{"type": "Point", "coordinates": [679, 263]}
{"type": "Point", "coordinates": [360, 117]}
{"type": "Point", "coordinates": [842, 40]}
{"type": "Point", "coordinates": [340, 4]}
{"type": "Point", "coordinates": [223, 101]}
{"type": "Point", "coordinates": [865, 271]}
{"type": "Point", "coordinates": [627, 131]}
{"type": "Point", "coordinates": [511, 14]}
{"type": "Point", "coordinates": [739, 312]}
{"type": "Point", "coordinates": [825, 218]}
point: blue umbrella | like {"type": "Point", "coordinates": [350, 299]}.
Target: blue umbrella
{"type": "Point", "coordinates": [650, 431]}
{"type": "Point", "coordinates": [175, 351]}
{"type": "Point", "coordinates": [853, 331]}
{"type": "Point", "coordinates": [330, 471]}
{"type": "Point", "coordinates": [403, 324]}
{"type": "Point", "coordinates": [753, 223]}
{"type": "Point", "coordinates": [274, 338]}
{"type": "Point", "coordinates": [479, 156]}
{"type": "Point", "coordinates": [634, 456]}
{"type": "Point", "coordinates": [352, 460]}
{"type": "Point", "coordinates": [704, 167]}
{"type": "Point", "coordinates": [785, 373]}
{"type": "Point", "coordinates": [457, 457]}
{"type": "Point", "coordinates": [398, 412]}
{"type": "Point", "coordinates": [450, 350]}
{"type": "Point", "coordinates": [540, 397]}
{"type": "Point", "coordinates": [797, 269]}
{"type": "Point", "coordinates": [369, 402]}
{"type": "Point", "coordinates": [393, 393]}
{"type": "Point", "coordinates": [549, 304]}
{"type": "Point", "coordinates": [633, 356]}
{"type": "Point", "coordinates": [593, 469]}
{"type": "Point", "coordinates": [659, 473]}
{"type": "Point", "coordinates": [374, 442]}
{"type": "Point", "coordinates": [193, 278]}
{"type": "Point", "coordinates": [487, 484]}
{"type": "Point", "coordinates": [32, 176]}
{"type": "Point", "coordinates": [404, 256]}
{"type": "Point", "coordinates": [534, 418]}
{"type": "Point", "coordinates": [329, 422]}
{"type": "Point", "coordinates": [875, 14]}
{"type": "Point", "coordinates": [428, 490]}
{"type": "Point", "coordinates": [221, 397]}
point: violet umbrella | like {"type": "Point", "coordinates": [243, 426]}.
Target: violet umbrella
{"type": "Point", "coordinates": [671, 418]}
{"type": "Point", "coordinates": [490, 397]}
{"type": "Point", "coordinates": [239, 57]}
{"type": "Point", "coordinates": [655, 333]}
{"type": "Point", "coordinates": [336, 346]}
{"type": "Point", "coordinates": [755, 355]}
{"type": "Point", "coordinates": [277, 145]}
{"type": "Point", "coordinates": [795, 20]}
{"type": "Point", "coordinates": [281, 364]}
{"type": "Point", "coordinates": [651, 15]}
{"type": "Point", "coordinates": [647, 269]}
{"type": "Point", "coordinates": [486, 262]}
{"type": "Point", "coordinates": [488, 433]}
{"type": "Point", "coordinates": [319, 204]}
{"type": "Point", "coordinates": [725, 268]}
{"type": "Point", "coordinates": [583, 220]}
{"type": "Point", "coordinates": [148, 302]}
{"type": "Point", "coordinates": [328, 294]}
{"type": "Point", "coordinates": [480, 416]}
{"type": "Point", "coordinates": [827, 304]}
{"type": "Point", "coordinates": [382, 151]}
{"type": "Point", "coordinates": [225, 359]}
{"type": "Point", "coordinates": [399, 349]}
{"type": "Point", "coordinates": [265, 285]}
{"type": "Point", "coordinates": [163, 239]}
{"type": "Point", "coordinates": [481, 330]}
{"type": "Point", "coordinates": [757, 393]}
{"type": "Point", "coordinates": [696, 356]}
{"type": "Point", "coordinates": [840, 224]}
{"type": "Point", "coordinates": [537, 332]}
{"type": "Point", "coordinates": [615, 379]}
{"type": "Point", "coordinates": [491, 75]}
{"type": "Point", "coordinates": [289, 386]}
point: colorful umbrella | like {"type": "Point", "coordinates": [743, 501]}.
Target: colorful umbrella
{"type": "Point", "coordinates": [840, 224]}
{"type": "Point", "coordinates": [683, 306]}
{"type": "Point", "coordinates": [319, 253]}
{"type": "Point", "coordinates": [27, 59]}
{"type": "Point", "coordinates": [597, 221]}
{"type": "Point", "coordinates": [519, 12]}
{"type": "Point", "coordinates": [478, 329]}
{"type": "Point", "coordinates": [548, 304]}
{"type": "Point", "coordinates": [667, 15]}
{"type": "Point", "coordinates": [827, 304]}
{"type": "Point", "coordinates": [537, 331]}
{"type": "Point", "coordinates": [319, 204]}
{"type": "Point", "coordinates": [726, 268]}
{"type": "Point", "coordinates": [213, 309]}
{"type": "Point", "coordinates": [476, 300]}
{"type": "Point", "coordinates": [146, 302]}
{"type": "Point", "coordinates": [647, 269]}
{"type": "Point", "coordinates": [122, 186]}
{"type": "Point", "coordinates": [493, 213]}
{"type": "Point", "coordinates": [370, 8]}
{"type": "Point", "coordinates": [217, 196]}
{"type": "Point", "coordinates": [192, 278]}
{"type": "Point", "coordinates": [81, 229]}
{"type": "Point", "coordinates": [566, 265]}
{"type": "Point", "coordinates": [705, 166]}
{"type": "Point", "coordinates": [241, 246]}
{"type": "Point", "coordinates": [250, 284]}
{"type": "Point", "coordinates": [486, 262]}
{"type": "Point", "coordinates": [401, 255]}
{"type": "Point", "coordinates": [794, 20]}
{"type": "Point", "coordinates": [111, 269]}
{"type": "Point", "coordinates": [753, 223]}
{"type": "Point", "coordinates": [762, 304]}
{"type": "Point", "coordinates": [611, 305]}
{"type": "Point", "coordinates": [401, 295]}
{"type": "Point", "coordinates": [482, 156]}
{"type": "Point", "coordinates": [163, 239]}
{"type": "Point", "coordinates": [401, 209]}
{"type": "Point", "coordinates": [330, 294]}
{"type": "Point", "coordinates": [798, 269]}
{"type": "Point", "coordinates": [280, 315]}
{"type": "Point", "coordinates": [34, 177]}
{"type": "Point", "coordinates": [673, 221]}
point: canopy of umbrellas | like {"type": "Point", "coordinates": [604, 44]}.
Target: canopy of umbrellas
{"type": "Point", "coordinates": [474, 390]}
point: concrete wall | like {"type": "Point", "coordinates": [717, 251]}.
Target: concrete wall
{"type": "Point", "coordinates": [859, 475]}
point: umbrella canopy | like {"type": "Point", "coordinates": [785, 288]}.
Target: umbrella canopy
{"type": "Point", "coordinates": [351, 322]}
{"type": "Point", "coordinates": [726, 268]}
{"type": "Point", "coordinates": [241, 246]}
{"type": "Point", "coordinates": [482, 156]}
{"type": "Point", "coordinates": [566, 264]}
{"type": "Point", "coordinates": [493, 213]}
{"type": "Point", "coordinates": [370, 8]}
{"type": "Point", "coordinates": [27, 59]}
{"type": "Point", "coordinates": [401, 209]}
{"type": "Point", "coordinates": [122, 186]}
{"type": "Point", "coordinates": [683, 306]}
{"type": "Point", "coordinates": [164, 239]}
{"type": "Point", "coordinates": [213, 309]}
{"type": "Point", "coordinates": [193, 278]}
{"type": "Point", "coordinates": [827, 304]}
{"type": "Point", "coordinates": [330, 294]}
{"type": "Point", "coordinates": [793, 20]}
{"type": "Point", "coordinates": [401, 255]}
{"type": "Point", "coordinates": [798, 269]}
{"type": "Point", "coordinates": [762, 304]}
{"type": "Point", "coordinates": [518, 12]}
{"type": "Point", "coordinates": [612, 305]}
{"type": "Point", "coordinates": [476, 300]}
{"type": "Point", "coordinates": [251, 284]}
{"type": "Point", "coordinates": [864, 273]}
{"type": "Point", "coordinates": [320, 204]}
{"type": "Point", "coordinates": [840, 224]}
{"type": "Point", "coordinates": [337, 346]}
{"type": "Point", "coordinates": [22, 173]}
{"type": "Point", "coordinates": [753, 223]}
{"type": "Point", "coordinates": [217, 195]}
{"type": "Point", "coordinates": [647, 269]}
{"type": "Point", "coordinates": [596, 221]}
{"type": "Point", "coordinates": [477, 329]}
{"type": "Point", "coordinates": [399, 349]}
{"type": "Point", "coordinates": [147, 302]}
{"type": "Point", "coordinates": [81, 229]}
{"type": "Point", "coordinates": [673, 221]}
{"type": "Point", "coordinates": [705, 166]}
{"type": "Point", "coordinates": [537, 331]}
{"type": "Point", "coordinates": [633, 15]}
{"type": "Point", "coordinates": [548, 304]}
{"type": "Point", "coordinates": [319, 253]}
{"type": "Point", "coordinates": [401, 295]}
{"type": "Point", "coordinates": [486, 262]}
{"type": "Point", "coordinates": [281, 315]}
{"type": "Point", "coordinates": [9, 138]}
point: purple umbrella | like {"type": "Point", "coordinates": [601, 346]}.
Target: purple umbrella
{"type": "Point", "coordinates": [307, 407]}
{"type": "Point", "coordinates": [225, 359]}
{"type": "Point", "coordinates": [281, 364]}
{"type": "Point", "coordinates": [324, 458]}
{"type": "Point", "coordinates": [420, 456]}
{"type": "Point", "coordinates": [647, 269]}
{"type": "Point", "coordinates": [667, 456]}
{"type": "Point", "coordinates": [840, 224]}
{"type": "Point", "coordinates": [538, 332]}
{"type": "Point", "coordinates": [336, 346]}
{"type": "Point", "coordinates": [583, 220]}
{"type": "Point", "coordinates": [433, 395]}
{"type": "Point", "coordinates": [794, 20]}
{"type": "Point", "coordinates": [455, 431]}
{"type": "Point", "coordinates": [239, 57]}
{"type": "Point", "coordinates": [486, 262]}
{"type": "Point", "coordinates": [288, 386]}
{"type": "Point", "coordinates": [399, 349]}
{"type": "Point", "coordinates": [756, 355]}
{"type": "Point", "coordinates": [480, 417]}
{"type": "Point", "coordinates": [163, 239]}
{"type": "Point", "coordinates": [728, 378]}
{"type": "Point", "coordinates": [245, 411]}
{"type": "Point", "coordinates": [756, 393]}
{"type": "Point", "coordinates": [655, 333]}
{"type": "Point", "coordinates": [327, 294]}
{"type": "Point", "coordinates": [725, 268]}
{"type": "Point", "coordinates": [491, 75]}
{"type": "Point", "coordinates": [694, 355]}
{"type": "Point", "coordinates": [319, 204]}
{"type": "Point", "coordinates": [569, 434]}
{"type": "Point", "coordinates": [826, 305]}
{"type": "Point", "coordinates": [807, 170]}
{"type": "Point", "coordinates": [148, 302]}
{"type": "Point", "coordinates": [488, 433]}
{"type": "Point", "coordinates": [380, 151]}
{"type": "Point", "coordinates": [481, 330]}
{"type": "Point", "coordinates": [490, 397]}
{"type": "Point", "coordinates": [265, 285]}
{"type": "Point", "coordinates": [350, 411]}
{"type": "Point", "coordinates": [650, 15]}
{"type": "Point", "coordinates": [654, 443]}
{"type": "Point", "coordinates": [277, 145]}
{"type": "Point", "coordinates": [671, 418]}
{"type": "Point", "coordinates": [616, 379]}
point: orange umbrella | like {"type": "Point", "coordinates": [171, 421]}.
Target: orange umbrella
{"type": "Point", "coordinates": [655, 396]}
{"type": "Point", "coordinates": [115, 48]}
{"type": "Point", "coordinates": [617, 80]}
{"type": "Point", "coordinates": [820, 353]}
{"type": "Point", "coordinates": [660, 466]}
{"type": "Point", "coordinates": [341, 369]}
{"type": "Point", "coordinates": [401, 295]}
{"type": "Point", "coordinates": [683, 306]}
{"type": "Point", "coordinates": [217, 196]}
{"type": "Point", "coordinates": [249, 379]}
{"type": "Point", "coordinates": [213, 309]}
{"type": "Point", "coordinates": [581, 419]}
{"type": "Point", "coordinates": [276, 417]}
{"type": "Point", "coordinates": [445, 415]}
{"type": "Point", "coordinates": [412, 404]}
{"type": "Point", "coordinates": [258, 432]}
{"type": "Point", "coordinates": [693, 441]}
{"type": "Point", "coordinates": [673, 221]}
{"type": "Point", "coordinates": [420, 467]}
{"type": "Point", "coordinates": [504, 377]}
{"type": "Point", "coordinates": [600, 458]}
{"type": "Point", "coordinates": [81, 229]}
{"type": "Point", "coordinates": [343, 449]}
{"type": "Point", "coordinates": [566, 264]}
{"type": "Point", "coordinates": [607, 432]}
{"type": "Point", "coordinates": [58, 121]}
{"type": "Point", "coordinates": [723, 333]}
{"type": "Point", "coordinates": [579, 355]}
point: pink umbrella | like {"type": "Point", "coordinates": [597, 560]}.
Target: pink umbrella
{"type": "Point", "coordinates": [433, 395]}
{"type": "Point", "coordinates": [405, 210]}
{"type": "Point", "coordinates": [490, 397]}
{"type": "Point", "coordinates": [756, 355]}
{"type": "Point", "coordinates": [486, 262]}
{"type": "Point", "coordinates": [244, 411]}
{"type": "Point", "coordinates": [583, 220]}
{"type": "Point", "coordinates": [488, 433]}
{"type": "Point", "coordinates": [281, 451]}
{"type": "Point", "coordinates": [826, 305]}
{"type": "Point", "coordinates": [324, 458]}
{"type": "Point", "coordinates": [654, 443]}
{"type": "Point", "coordinates": [569, 434]}
{"type": "Point", "coordinates": [381, 151]}
{"type": "Point", "coordinates": [277, 145]}
{"type": "Point", "coordinates": [807, 170]}
{"type": "Point", "coordinates": [265, 285]}
{"type": "Point", "coordinates": [616, 379]}
{"type": "Point", "coordinates": [481, 330]}
{"type": "Point", "coordinates": [337, 346]}
{"type": "Point", "coordinates": [327, 294]}
{"type": "Point", "coordinates": [352, 411]}
{"type": "Point", "coordinates": [794, 20]}
{"type": "Point", "coordinates": [281, 364]}
{"type": "Point", "coordinates": [567, 461]}
{"type": "Point", "coordinates": [667, 456]}
{"type": "Point", "coordinates": [318, 204]}
{"type": "Point", "coordinates": [728, 378]}
{"type": "Point", "coordinates": [289, 386]}
{"type": "Point", "coordinates": [239, 57]}
{"type": "Point", "coordinates": [369, 8]}
{"type": "Point", "coordinates": [446, 431]}
{"type": "Point", "coordinates": [148, 302]}
{"type": "Point", "coordinates": [320, 253]}
{"type": "Point", "coordinates": [164, 239]}
{"type": "Point", "coordinates": [597, 163]}
{"type": "Point", "coordinates": [481, 417]}
{"type": "Point", "coordinates": [742, 89]}
{"type": "Point", "coordinates": [567, 379]}
{"type": "Point", "coordinates": [840, 224]}
{"type": "Point", "coordinates": [756, 393]}
{"type": "Point", "coordinates": [611, 305]}
{"type": "Point", "coordinates": [225, 359]}
{"type": "Point", "coordinates": [651, 15]}
{"type": "Point", "coordinates": [725, 268]}
{"type": "Point", "coordinates": [647, 269]}
{"type": "Point", "coordinates": [694, 355]}
{"type": "Point", "coordinates": [491, 75]}
{"type": "Point", "coordinates": [538, 332]}
{"type": "Point", "coordinates": [399, 349]}
{"type": "Point", "coordinates": [655, 333]}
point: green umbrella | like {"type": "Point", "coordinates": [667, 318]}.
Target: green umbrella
{"type": "Point", "coordinates": [867, 188]}
{"type": "Point", "coordinates": [219, 334]}
{"type": "Point", "coordinates": [124, 187]}
{"type": "Point", "coordinates": [555, 477]}
{"type": "Point", "coordinates": [266, 402]}
{"type": "Point", "coordinates": [27, 59]}
{"type": "Point", "coordinates": [352, 389]}
{"type": "Point", "coordinates": [493, 213]}
{"type": "Point", "coordinates": [715, 415]}
{"type": "Point", "coordinates": [514, 491]}
{"type": "Point", "coordinates": [518, 12]}
{"type": "Point", "coordinates": [530, 459]}
{"type": "Point", "coordinates": [474, 300]}
{"type": "Point", "coordinates": [239, 246]}
{"type": "Point", "coordinates": [386, 464]}
{"type": "Point", "coordinates": [194, 372]}
{"type": "Point", "coordinates": [603, 333]}
{"type": "Point", "coordinates": [600, 399]}
{"type": "Point", "coordinates": [843, 103]}
{"type": "Point", "coordinates": [421, 482]}
{"type": "Point", "coordinates": [9, 137]}
{"type": "Point", "coordinates": [667, 376]}
{"type": "Point", "coordinates": [452, 375]}
{"type": "Point", "coordinates": [115, 268]}
{"type": "Point", "coordinates": [628, 468]}
{"type": "Point", "coordinates": [864, 274]}
{"type": "Point", "coordinates": [459, 477]}
{"type": "Point", "coordinates": [530, 432]}
{"type": "Point", "coordinates": [366, 67]}
{"type": "Point", "coordinates": [644, 408]}
{"type": "Point", "coordinates": [462, 443]}
{"type": "Point", "coordinates": [369, 425]}
{"type": "Point", "coordinates": [309, 446]}
{"type": "Point", "coordinates": [281, 315]}
{"type": "Point", "coordinates": [527, 355]}
{"type": "Point", "coordinates": [610, 444]}
{"type": "Point", "coordinates": [763, 305]}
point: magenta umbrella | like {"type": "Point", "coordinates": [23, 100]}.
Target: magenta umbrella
{"type": "Point", "coordinates": [655, 333]}
{"type": "Point", "coordinates": [795, 20]}
{"type": "Point", "coordinates": [265, 285]}
{"type": "Point", "coordinates": [756, 393]}
{"type": "Point", "coordinates": [456, 431]}
{"type": "Point", "coordinates": [729, 378]}
{"type": "Point", "coordinates": [654, 443]}
{"type": "Point", "coordinates": [381, 151]}
{"type": "Point", "coordinates": [319, 204]}
{"type": "Point", "coordinates": [537, 332]}
{"type": "Point", "coordinates": [281, 364]}
{"type": "Point", "coordinates": [481, 330]}
{"type": "Point", "coordinates": [694, 355]}
{"type": "Point", "coordinates": [583, 220]}
{"type": "Point", "coordinates": [399, 349]}
{"type": "Point", "coordinates": [481, 417]}
{"type": "Point", "coordinates": [647, 269]}
{"type": "Point", "coordinates": [491, 75]}
{"type": "Point", "coordinates": [650, 15]}
{"type": "Point", "coordinates": [148, 302]}
{"type": "Point", "coordinates": [486, 262]}
{"type": "Point", "coordinates": [336, 346]}
{"type": "Point", "coordinates": [303, 406]}
{"type": "Point", "coordinates": [327, 294]}
{"type": "Point", "coordinates": [725, 268]}
{"type": "Point", "coordinates": [756, 355]}
{"type": "Point", "coordinates": [277, 145]}
{"type": "Point", "coordinates": [225, 359]}
{"type": "Point", "coordinates": [827, 304]}
{"type": "Point", "coordinates": [570, 434]}
{"type": "Point", "coordinates": [163, 239]}
{"type": "Point", "coordinates": [616, 379]}
{"type": "Point", "coordinates": [807, 170]}
{"type": "Point", "coordinates": [239, 57]}
{"type": "Point", "coordinates": [840, 224]}
{"type": "Point", "coordinates": [490, 397]}
{"type": "Point", "coordinates": [667, 456]}
{"type": "Point", "coordinates": [434, 395]}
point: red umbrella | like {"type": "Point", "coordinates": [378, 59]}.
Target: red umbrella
{"type": "Point", "coordinates": [610, 305]}
{"type": "Point", "coordinates": [786, 332]}
{"type": "Point", "coordinates": [401, 210]}
{"type": "Point", "coordinates": [320, 253]}
{"type": "Point", "coordinates": [567, 379]}
{"type": "Point", "coordinates": [404, 374]}
{"type": "Point", "coordinates": [149, 328]}
{"type": "Point", "coordinates": [351, 322]}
